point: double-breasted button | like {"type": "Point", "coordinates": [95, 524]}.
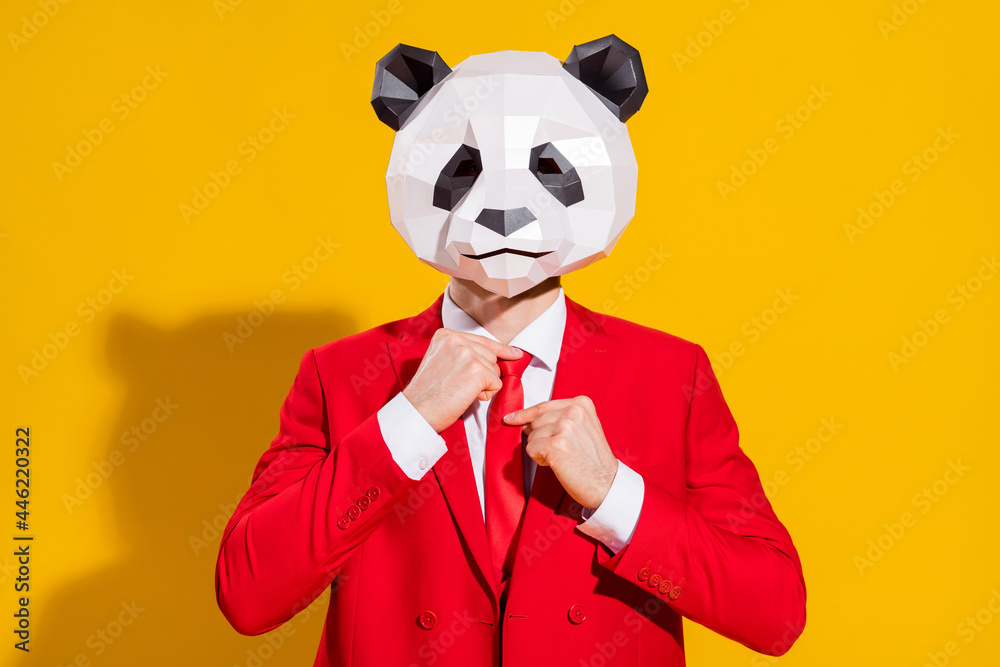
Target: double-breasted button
{"type": "Point", "coordinates": [577, 614]}
{"type": "Point", "coordinates": [354, 512]}
{"type": "Point", "coordinates": [373, 493]}
{"type": "Point", "coordinates": [644, 574]}
{"type": "Point", "coordinates": [364, 503]}
{"type": "Point", "coordinates": [427, 620]}
{"type": "Point", "coordinates": [654, 581]}
{"type": "Point", "coordinates": [675, 593]}
{"type": "Point", "coordinates": [343, 522]}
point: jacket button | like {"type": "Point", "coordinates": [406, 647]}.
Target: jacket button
{"type": "Point", "coordinates": [354, 512]}
{"type": "Point", "coordinates": [577, 614]}
{"type": "Point", "coordinates": [373, 493]}
{"type": "Point", "coordinates": [428, 620]}
{"type": "Point", "coordinates": [343, 522]}
{"type": "Point", "coordinates": [644, 574]}
{"type": "Point", "coordinates": [654, 581]}
{"type": "Point", "coordinates": [675, 593]}
{"type": "Point", "coordinates": [364, 503]}
{"type": "Point", "coordinates": [665, 586]}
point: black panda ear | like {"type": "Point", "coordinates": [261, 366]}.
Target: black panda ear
{"type": "Point", "coordinates": [402, 77]}
{"type": "Point", "coordinates": [613, 70]}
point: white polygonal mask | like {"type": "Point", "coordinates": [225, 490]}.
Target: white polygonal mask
{"type": "Point", "coordinates": [512, 167]}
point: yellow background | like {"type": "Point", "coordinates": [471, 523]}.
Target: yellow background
{"type": "Point", "coordinates": [826, 357]}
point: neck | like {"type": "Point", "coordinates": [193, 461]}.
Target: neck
{"type": "Point", "coordinates": [501, 316]}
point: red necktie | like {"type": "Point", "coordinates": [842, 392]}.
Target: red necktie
{"type": "Point", "coordinates": [504, 474]}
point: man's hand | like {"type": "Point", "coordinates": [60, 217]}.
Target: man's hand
{"type": "Point", "coordinates": [566, 435]}
{"type": "Point", "coordinates": [457, 369]}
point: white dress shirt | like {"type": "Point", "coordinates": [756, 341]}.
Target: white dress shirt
{"type": "Point", "coordinates": [416, 446]}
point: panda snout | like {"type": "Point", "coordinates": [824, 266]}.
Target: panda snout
{"type": "Point", "coordinates": [505, 221]}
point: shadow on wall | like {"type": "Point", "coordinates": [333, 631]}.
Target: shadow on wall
{"type": "Point", "coordinates": [202, 416]}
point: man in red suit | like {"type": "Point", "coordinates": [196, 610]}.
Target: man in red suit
{"type": "Point", "coordinates": [509, 477]}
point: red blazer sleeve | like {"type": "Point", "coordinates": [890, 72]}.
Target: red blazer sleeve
{"type": "Point", "coordinates": [287, 540]}
{"type": "Point", "coordinates": [730, 563]}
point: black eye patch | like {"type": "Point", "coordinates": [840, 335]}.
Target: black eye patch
{"type": "Point", "coordinates": [457, 177]}
{"type": "Point", "coordinates": [556, 174]}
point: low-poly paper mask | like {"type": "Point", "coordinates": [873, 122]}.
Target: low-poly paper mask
{"type": "Point", "coordinates": [512, 167]}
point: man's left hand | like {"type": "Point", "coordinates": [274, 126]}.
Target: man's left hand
{"type": "Point", "coordinates": [566, 435]}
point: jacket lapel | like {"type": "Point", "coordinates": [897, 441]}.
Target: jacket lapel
{"type": "Point", "coordinates": [453, 470]}
{"type": "Point", "coordinates": [585, 363]}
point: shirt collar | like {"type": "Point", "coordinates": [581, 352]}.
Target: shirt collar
{"type": "Point", "coordinates": [542, 338]}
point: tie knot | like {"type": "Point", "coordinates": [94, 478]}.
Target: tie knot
{"type": "Point", "coordinates": [514, 366]}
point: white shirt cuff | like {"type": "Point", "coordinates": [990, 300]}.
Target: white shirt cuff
{"type": "Point", "coordinates": [614, 521]}
{"type": "Point", "coordinates": [414, 444]}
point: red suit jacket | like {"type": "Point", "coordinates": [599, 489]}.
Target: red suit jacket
{"type": "Point", "coordinates": [408, 561]}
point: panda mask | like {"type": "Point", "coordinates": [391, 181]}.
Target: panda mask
{"type": "Point", "coordinates": [512, 167]}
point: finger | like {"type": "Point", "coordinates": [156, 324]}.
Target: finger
{"type": "Point", "coordinates": [534, 430]}
{"type": "Point", "coordinates": [537, 451]}
{"type": "Point", "coordinates": [550, 418]}
{"type": "Point", "coordinates": [544, 423]}
{"type": "Point", "coordinates": [487, 394]}
{"type": "Point", "coordinates": [526, 415]}
{"type": "Point", "coordinates": [492, 378]}
{"type": "Point", "coordinates": [481, 351]}
{"type": "Point", "coordinates": [496, 348]}
{"type": "Point", "coordinates": [480, 354]}
{"type": "Point", "coordinates": [486, 355]}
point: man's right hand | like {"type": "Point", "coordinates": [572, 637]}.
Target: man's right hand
{"type": "Point", "coordinates": [457, 369]}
